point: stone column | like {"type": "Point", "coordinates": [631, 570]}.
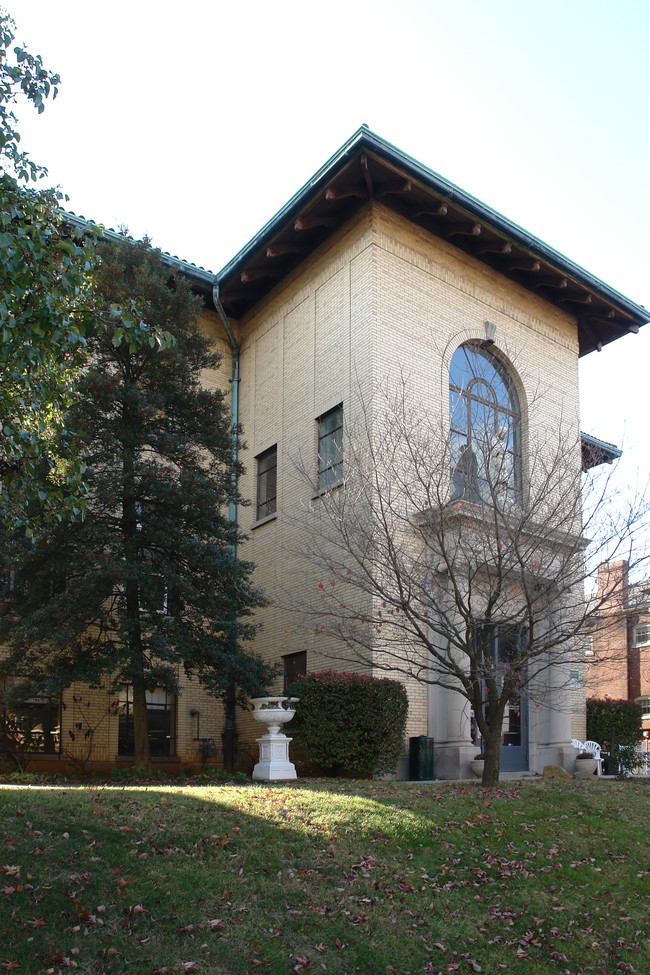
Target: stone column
{"type": "Point", "coordinates": [449, 725]}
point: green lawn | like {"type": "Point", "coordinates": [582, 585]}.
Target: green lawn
{"type": "Point", "coordinates": [338, 877]}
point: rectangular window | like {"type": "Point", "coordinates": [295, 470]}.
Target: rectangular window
{"type": "Point", "coordinates": [33, 725]}
{"type": "Point", "coordinates": [330, 448]}
{"type": "Point", "coordinates": [161, 714]}
{"type": "Point", "coordinates": [267, 478]}
{"type": "Point", "coordinates": [641, 634]}
{"type": "Point", "coordinates": [644, 704]}
{"type": "Point", "coordinates": [574, 680]}
{"type": "Point", "coordinates": [295, 666]}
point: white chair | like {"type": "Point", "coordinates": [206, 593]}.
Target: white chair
{"type": "Point", "coordinates": [594, 749]}
{"type": "Point", "coordinates": [577, 744]}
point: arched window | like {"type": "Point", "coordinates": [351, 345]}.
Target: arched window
{"type": "Point", "coordinates": [485, 422]}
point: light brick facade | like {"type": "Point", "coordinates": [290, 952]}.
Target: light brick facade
{"type": "Point", "coordinates": [379, 298]}
{"type": "Point", "coordinates": [376, 296]}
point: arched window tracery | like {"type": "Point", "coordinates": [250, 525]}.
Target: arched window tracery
{"type": "Point", "coordinates": [485, 427]}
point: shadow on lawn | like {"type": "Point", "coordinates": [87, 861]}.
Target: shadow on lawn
{"type": "Point", "coordinates": [360, 877]}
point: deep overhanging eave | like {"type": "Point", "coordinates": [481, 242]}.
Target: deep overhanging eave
{"type": "Point", "coordinates": [367, 167]}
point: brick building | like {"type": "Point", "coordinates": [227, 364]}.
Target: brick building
{"type": "Point", "coordinates": [377, 263]}
{"type": "Point", "coordinates": [618, 651]}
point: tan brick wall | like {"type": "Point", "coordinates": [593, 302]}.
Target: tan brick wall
{"type": "Point", "coordinates": [380, 297]}
{"type": "Point", "coordinates": [301, 354]}
{"type": "Point", "coordinates": [91, 710]}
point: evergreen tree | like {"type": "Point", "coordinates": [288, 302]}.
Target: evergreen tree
{"type": "Point", "coordinates": [149, 583]}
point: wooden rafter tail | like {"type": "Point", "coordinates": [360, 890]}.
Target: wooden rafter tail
{"type": "Point", "coordinates": [395, 190]}
{"type": "Point", "coordinates": [503, 247]}
{"type": "Point", "coordinates": [583, 326]}
{"type": "Point", "coordinates": [367, 177]}
{"type": "Point", "coordinates": [585, 321]}
{"type": "Point", "coordinates": [559, 284]}
{"type": "Point", "coordinates": [332, 193]}
{"type": "Point", "coordinates": [522, 265]}
{"type": "Point", "coordinates": [585, 300]}
{"type": "Point", "coordinates": [440, 211]}
{"type": "Point", "coordinates": [281, 250]}
{"type": "Point", "coordinates": [474, 231]}
{"type": "Point", "coordinates": [311, 223]}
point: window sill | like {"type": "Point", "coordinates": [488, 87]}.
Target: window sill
{"type": "Point", "coordinates": [328, 490]}
{"type": "Point", "coordinates": [264, 520]}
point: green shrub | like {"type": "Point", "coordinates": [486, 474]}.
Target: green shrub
{"type": "Point", "coordinates": [609, 720]}
{"type": "Point", "coordinates": [127, 773]}
{"type": "Point", "coordinates": [349, 724]}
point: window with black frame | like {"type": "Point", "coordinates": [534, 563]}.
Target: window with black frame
{"type": "Point", "coordinates": [267, 480]}
{"type": "Point", "coordinates": [330, 448]}
{"type": "Point", "coordinates": [294, 666]}
{"type": "Point", "coordinates": [161, 717]}
{"type": "Point", "coordinates": [32, 725]}
{"type": "Point", "coordinates": [485, 427]}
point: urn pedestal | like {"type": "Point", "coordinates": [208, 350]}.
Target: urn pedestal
{"type": "Point", "coordinates": [274, 764]}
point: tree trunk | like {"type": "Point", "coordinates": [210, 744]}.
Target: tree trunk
{"type": "Point", "coordinates": [141, 750]}
{"type": "Point", "coordinates": [492, 753]}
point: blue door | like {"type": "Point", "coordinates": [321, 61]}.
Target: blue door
{"type": "Point", "coordinates": [514, 731]}
{"type": "Point", "coordinates": [514, 735]}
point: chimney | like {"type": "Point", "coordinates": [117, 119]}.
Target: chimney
{"type": "Point", "coordinates": [612, 584]}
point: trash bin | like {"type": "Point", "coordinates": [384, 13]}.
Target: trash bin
{"type": "Point", "coordinates": [421, 759]}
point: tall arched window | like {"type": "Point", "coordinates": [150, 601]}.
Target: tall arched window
{"type": "Point", "coordinates": [485, 422]}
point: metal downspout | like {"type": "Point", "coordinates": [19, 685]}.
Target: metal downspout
{"type": "Point", "coordinates": [229, 735]}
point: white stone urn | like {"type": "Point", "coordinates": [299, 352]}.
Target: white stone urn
{"type": "Point", "coordinates": [585, 767]}
{"type": "Point", "coordinates": [477, 767]}
{"type": "Point", "coordinates": [274, 764]}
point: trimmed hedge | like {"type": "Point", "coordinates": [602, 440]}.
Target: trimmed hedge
{"type": "Point", "coordinates": [349, 724]}
{"type": "Point", "coordinates": [622, 716]}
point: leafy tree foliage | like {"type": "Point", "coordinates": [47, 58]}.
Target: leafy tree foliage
{"type": "Point", "coordinates": [148, 584]}
{"type": "Point", "coordinates": [44, 282]}
{"type": "Point", "coordinates": [45, 314]}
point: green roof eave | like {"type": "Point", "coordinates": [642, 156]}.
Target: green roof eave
{"type": "Point", "coordinates": [366, 141]}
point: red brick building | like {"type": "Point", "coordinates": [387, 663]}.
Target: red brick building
{"type": "Point", "coordinates": [618, 653]}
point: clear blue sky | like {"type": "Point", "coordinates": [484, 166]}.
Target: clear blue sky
{"type": "Point", "coordinates": [195, 122]}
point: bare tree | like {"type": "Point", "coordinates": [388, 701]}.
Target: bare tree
{"type": "Point", "coordinates": [455, 554]}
